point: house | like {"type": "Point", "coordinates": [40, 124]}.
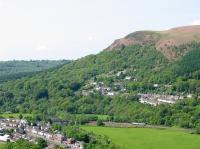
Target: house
{"type": "Point", "coordinates": [85, 93]}
{"type": "Point", "coordinates": [4, 138]}
{"type": "Point", "coordinates": [123, 89]}
{"type": "Point", "coordinates": [94, 83]}
{"type": "Point", "coordinates": [110, 93]}
{"type": "Point", "coordinates": [71, 141]}
{"type": "Point", "coordinates": [166, 101]}
{"type": "Point", "coordinates": [2, 130]}
{"type": "Point", "coordinates": [98, 88]}
{"type": "Point", "coordinates": [35, 130]}
{"type": "Point", "coordinates": [189, 96]}
{"type": "Point", "coordinates": [107, 88]}
{"type": "Point", "coordinates": [24, 122]}
{"type": "Point", "coordinates": [12, 125]}
{"type": "Point", "coordinates": [156, 99]}
{"type": "Point", "coordinates": [148, 102]}
{"type": "Point", "coordinates": [140, 124]}
{"type": "Point", "coordinates": [4, 124]}
{"type": "Point", "coordinates": [79, 144]}
{"type": "Point", "coordinates": [155, 85]}
{"type": "Point", "coordinates": [120, 73]}
{"type": "Point", "coordinates": [128, 78]}
{"type": "Point", "coordinates": [135, 79]}
{"type": "Point", "coordinates": [48, 135]}
{"type": "Point", "coordinates": [59, 138]}
{"type": "Point", "coordinates": [20, 131]}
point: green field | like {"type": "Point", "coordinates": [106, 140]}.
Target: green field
{"type": "Point", "coordinates": [14, 115]}
{"type": "Point", "coordinates": [2, 146]}
{"type": "Point", "coordinates": [148, 138]}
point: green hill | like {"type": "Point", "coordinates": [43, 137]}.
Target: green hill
{"type": "Point", "coordinates": [10, 70]}
{"type": "Point", "coordinates": [165, 41]}
{"type": "Point", "coordinates": [124, 72]}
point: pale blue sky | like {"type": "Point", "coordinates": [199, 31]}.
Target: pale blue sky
{"type": "Point", "coordinates": [69, 29]}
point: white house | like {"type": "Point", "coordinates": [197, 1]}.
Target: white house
{"type": "Point", "coordinates": [4, 138]}
{"type": "Point", "coordinates": [24, 121]}
{"type": "Point", "coordinates": [110, 93]}
{"type": "Point", "coordinates": [135, 123]}
{"type": "Point", "coordinates": [189, 96]}
{"type": "Point", "coordinates": [155, 85]}
{"type": "Point", "coordinates": [128, 78]}
{"type": "Point", "coordinates": [166, 101]}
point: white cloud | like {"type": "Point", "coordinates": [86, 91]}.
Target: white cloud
{"type": "Point", "coordinates": [42, 48]}
{"type": "Point", "coordinates": [196, 22]}
{"type": "Point", "coordinates": [6, 4]}
{"type": "Point", "coordinates": [90, 38]}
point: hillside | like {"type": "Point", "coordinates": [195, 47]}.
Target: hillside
{"type": "Point", "coordinates": [165, 41]}
{"type": "Point", "coordinates": [109, 83]}
{"type": "Point", "coordinates": [10, 70]}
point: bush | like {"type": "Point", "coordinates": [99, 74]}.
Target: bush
{"type": "Point", "coordinates": [198, 130]}
{"type": "Point", "coordinates": [20, 116]}
{"type": "Point", "coordinates": [41, 143]}
{"type": "Point", "coordinates": [100, 123]}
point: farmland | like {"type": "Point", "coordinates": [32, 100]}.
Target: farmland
{"type": "Point", "coordinates": [148, 138]}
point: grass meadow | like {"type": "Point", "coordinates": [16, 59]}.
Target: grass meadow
{"type": "Point", "coordinates": [148, 138]}
{"type": "Point", "coordinates": [2, 145]}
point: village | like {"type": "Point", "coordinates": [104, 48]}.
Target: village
{"type": "Point", "coordinates": [102, 88]}
{"type": "Point", "coordinates": [119, 87]}
{"type": "Point", "coordinates": [157, 99]}
{"type": "Point", "coordinates": [12, 129]}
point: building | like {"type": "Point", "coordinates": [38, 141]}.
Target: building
{"type": "Point", "coordinates": [156, 99]}
{"type": "Point", "coordinates": [4, 138]}
{"type": "Point", "coordinates": [58, 138]}
{"type": "Point", "coordinates": [166, 101]}
{"type": "Point", "coordinates": [110, 93]}
{"type": "Point", "coordinates": [140, 124]}
{"type": "Point", "coordinates": [128, 78]}
{"type": "Point", "coordinates": [155, 85]}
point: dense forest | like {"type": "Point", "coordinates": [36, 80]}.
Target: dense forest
{"type": "Point", "coordinates": [10, 70]}
{"type": "Point", "coordinates": [59, 92]}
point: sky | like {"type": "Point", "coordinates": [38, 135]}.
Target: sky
{"type": "Point", "coordinates": [70, 29]}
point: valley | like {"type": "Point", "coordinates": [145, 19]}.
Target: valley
{"type": "Point", "coordinates": [99, 74]}
{"type": "Point", "coordinates": [134, 81]}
